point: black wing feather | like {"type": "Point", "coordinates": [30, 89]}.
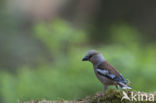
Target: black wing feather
{"type": "Point", "coordinates": [112, 76]}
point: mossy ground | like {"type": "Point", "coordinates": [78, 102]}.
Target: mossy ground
{"type": "Point", "coordinates": [110, 96]}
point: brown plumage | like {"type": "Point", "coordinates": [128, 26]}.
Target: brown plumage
{"type": "Point", "coordinates": [106, 66]}
{"type": "Point", "coordinates": [104, 71]}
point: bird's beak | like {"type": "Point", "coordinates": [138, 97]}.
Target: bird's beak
{"type": "Point", "coordinates": [85, 58]}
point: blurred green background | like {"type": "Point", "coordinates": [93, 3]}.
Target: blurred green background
{"type": "Point", "coordinates": [42, 43]}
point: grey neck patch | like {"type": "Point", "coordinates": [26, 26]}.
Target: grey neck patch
{"type": "Point", "coordinates": [100, 59]}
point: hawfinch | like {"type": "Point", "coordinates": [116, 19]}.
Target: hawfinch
{"type": "Point", "coordinates": [104, 71]}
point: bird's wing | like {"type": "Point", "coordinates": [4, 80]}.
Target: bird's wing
{"type": "Point", "coordinates": [107, 70]}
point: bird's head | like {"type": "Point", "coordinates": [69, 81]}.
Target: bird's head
{"type": "Point", "coordinates": [94, 57]}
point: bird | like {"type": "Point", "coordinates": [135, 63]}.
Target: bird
{"type": "Point", "coordinates": [104, 71]}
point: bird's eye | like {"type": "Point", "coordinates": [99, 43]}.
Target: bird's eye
{"type": "Point", "coordinates": [90, 56]}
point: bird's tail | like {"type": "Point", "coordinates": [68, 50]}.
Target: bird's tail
{"type": "Point", "coordinates": [123, 86]}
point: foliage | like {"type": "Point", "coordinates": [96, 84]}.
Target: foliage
{"type": "Point", "coordinates": [67, 76]}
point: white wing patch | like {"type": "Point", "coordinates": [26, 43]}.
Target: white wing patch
{"type": "Point", "coordinates": [112, 76]}
{"type": "Point", "coordinates": [104, 72]}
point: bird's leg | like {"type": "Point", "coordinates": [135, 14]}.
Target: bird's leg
{"type": "Point", "coordinates": [101, 94]}
{"type": "Point", "coordinates": [104, 90]}
{"type": "Point", "coordinates": [116, 86]}
{"type": "Point", "coordinates": [105, 87]}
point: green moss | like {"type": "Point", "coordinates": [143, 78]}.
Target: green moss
{"type": "Point", "coordinates": [110, 96]}
{"type": "Point", "coordinates": [113, 96]}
